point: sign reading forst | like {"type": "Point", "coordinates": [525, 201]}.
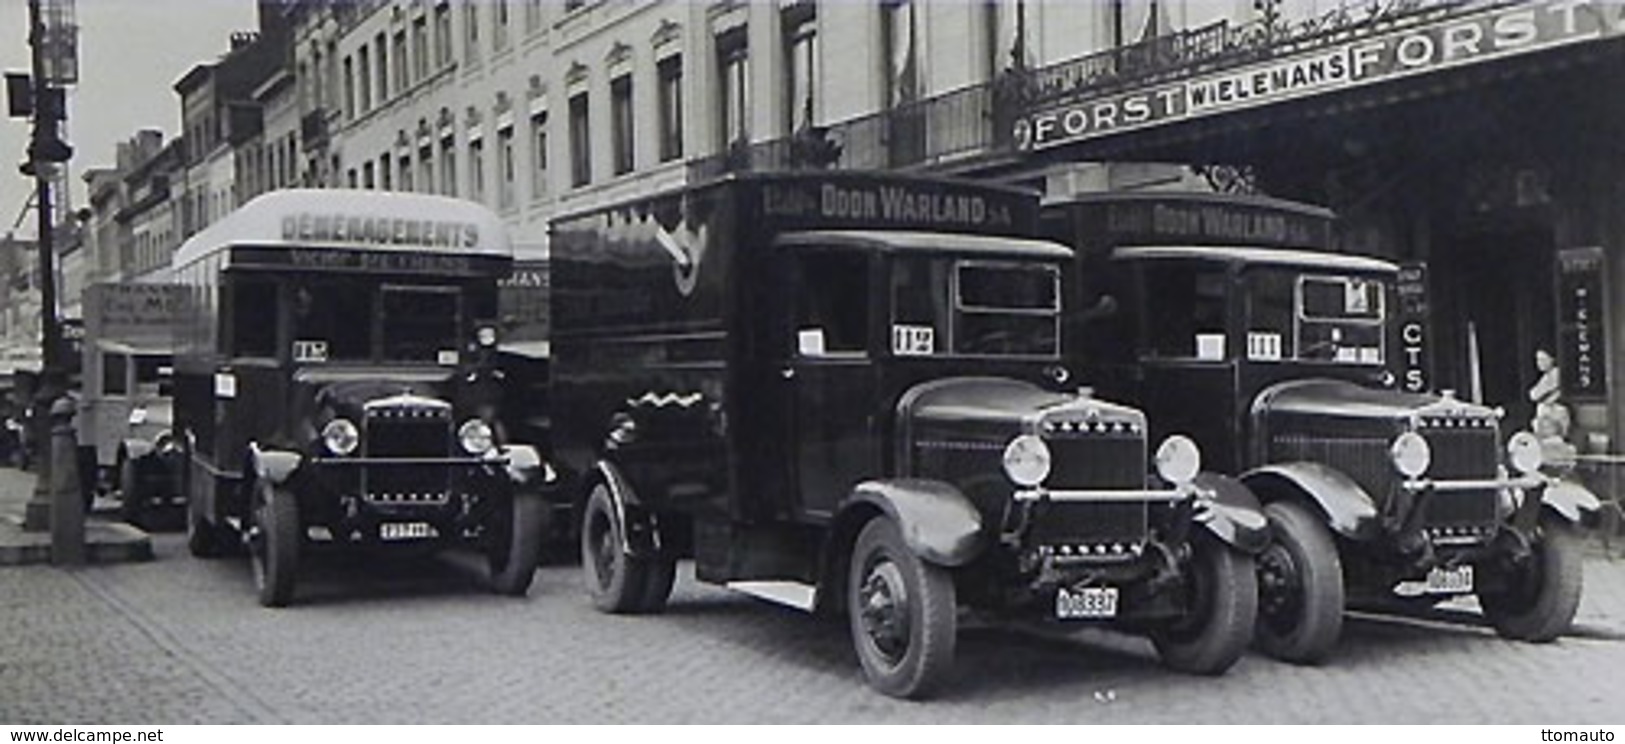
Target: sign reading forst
{"type": "Point", "coordinates": [1462, 40]}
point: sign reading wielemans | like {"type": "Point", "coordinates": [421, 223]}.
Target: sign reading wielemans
{"type": "Point", "coordinates": [1582, 351]}
{"type": "Point", "coordinates": [1467, 39]}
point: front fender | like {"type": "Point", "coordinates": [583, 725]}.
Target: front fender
{"type": "Point", "coordinates": [136, 449]}
{"type": "Point", "coordinates": [638, 536]}
{"type": "Point", "coordinates": [1231, 512]}
{"type": "Point", "coordinates": [273, 466]}
{"type": "Point", "coordinates": [527, 469]}
{"type": "Point", "coordinates": [1573, 501]}
{"type": "Point", "coordinates": [1348, 509]}
{"type": "Point", "coordinates": [938, 522]}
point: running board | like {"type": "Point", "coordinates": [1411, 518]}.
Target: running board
{"type": "Point", "coordinates": [789, 593]}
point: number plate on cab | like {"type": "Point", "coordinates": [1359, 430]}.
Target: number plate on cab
{"type": "Point", "coordinates": [405, 530]}
{"type": "Point", "coordinates": [1086, 602]}
{"type": "Point", "coordinates": [1454, 580]}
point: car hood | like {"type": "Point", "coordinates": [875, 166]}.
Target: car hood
{"type": "Point", "coordinates": [1342, 399]}
{"type": "Point", "coordinates": [349, 392]}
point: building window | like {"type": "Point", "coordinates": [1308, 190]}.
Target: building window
{"type": "Point", "coordinates": [476, 170]}
{"type": "Point", "coordinates": [901, 58]}
{"type": "Point", "coordinates": [383, 66]}
{"type": "Point", "coordinates": [670, 76]}
{"type": "Point", "coordinates": [349, 88]}
{"type": "Point", "coordinates": [442, 35]}
{"type": "Point", "coordinates": [505, 167]}
{"type": "Point", "coordinates": [350, 179]}
{"type": "Point", "coordinates": [420, 49]}
{"type": "Point", "coordinates": [384, 181]}
{"type": "Point", "coordinates": [404, 168]}
{"type": "Point", "coordinates": [570, 5]}
{"type": "Point", "coordinates": [533, 16]}
{"type": "Point", "coordinates": [800, 68]}
{"type": "Point", "coordinates": [402, 82]}
{"type": "Point", "coordinates": [367, 179]}
{"type": "Point", "coordinates": [471, 33]}
{"type": "Point", "coordinates": [580, 141]}
{"type": "Point", "coordinates": [733, 91]}
{"type": "Point", "coordinates": [448, 166]}
{"type": "Point", "coordinates": [538, 154]}
{"type": "Point", "coordinates": [620, 114]}
{"type": "Point", "coordinates": [364, 77]}
{"type": "Point", "coordinates": [499, 25]}
{"type": "Point", "coordinates": [426, 168]}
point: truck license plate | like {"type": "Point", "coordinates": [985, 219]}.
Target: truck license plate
{"type": "Point", "coordinates": [404, 530]}
{"type": "Point", "coordinates": [1086, 602]}
{"type": "Point", "coordinates": [1450, 580]}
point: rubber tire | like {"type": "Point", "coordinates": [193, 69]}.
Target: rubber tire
{"type": "Point", "coordinates": [623, 590]}
{"type": "Point", "coordinates": [275, 552]}
{"type": "Point", "coordinates": [132, 502]}
{"type": "Point", "coordinates": [1314, 634]}
{"type": "Point", "coordinates": [1549, 613]}
{"type": "Point", "coordinates": [514, 557]}
{"type": "Point", "coordinates": [928, 661]}
{"type": "Point", "coordinates": [657, 583]}
{"type": "Point", "coordinates": [1226, 606]}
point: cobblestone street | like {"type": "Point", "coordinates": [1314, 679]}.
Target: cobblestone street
{"type": "Point", "coordinates": [179, 640]}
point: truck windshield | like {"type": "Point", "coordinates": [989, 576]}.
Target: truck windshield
{"type": "Point", "coordinates": [1315, 317]}
{"type": "Point", "coordinates": [340, 321]}
{"type": "Point", "coordinates": [1007, 309]}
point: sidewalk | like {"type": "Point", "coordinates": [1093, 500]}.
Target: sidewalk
{"type": "Point", "coordinates": [107, 540]}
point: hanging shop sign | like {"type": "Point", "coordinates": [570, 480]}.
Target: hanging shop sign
{"type": "Point", "coordinates": [1582, 322]}
{"type": "Point", "coordinates": [1415, 356]}
{"type": "Point", "coordinates": [1501, 32]}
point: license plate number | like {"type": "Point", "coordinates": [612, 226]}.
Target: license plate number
{"type": "Point", "coordinates": [1086, 602]}
{"type": "Point", "coordinates": [1450, 580]}
{"type": "Point", "coordinates": [405, 530]}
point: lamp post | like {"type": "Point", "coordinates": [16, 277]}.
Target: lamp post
{"type": "Point", "coordinates": [46, 153]}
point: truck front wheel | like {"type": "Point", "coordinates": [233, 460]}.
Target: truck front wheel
{"type": "Point", "coordinates": [275, 544]}
{"type": "Point", "coordinates": [1221, 603]}
{"type": "Point", "coordinates": [517, 548]}
{"type": "Point", "coordinates": [1541, 593]}
{"type": "Point", "coordinates": [902, 612]}
{"type": "Point", "coordinates": [1300, 587]}
{"type": "Point", "coordinates": [132, 502]}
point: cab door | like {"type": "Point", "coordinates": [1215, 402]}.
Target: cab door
{"type": "Point", "coordinates": [831, 376]}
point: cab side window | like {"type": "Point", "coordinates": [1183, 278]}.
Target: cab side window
{"type": "Point", "coordinates": [113, 374]}
{"type": "Point", "coordinates": [832, 303]}
{"type": "Point", "coordinates": [253, 309]}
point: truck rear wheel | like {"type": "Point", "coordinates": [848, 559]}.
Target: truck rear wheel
{"type": "Point", "coordinates": [1300, 587]}
{"type": "Point", "coordinates": [276, 543]}
{"type": "Point", "coordinates": [1221, 604]}
{"type": "Point", "coordinates": [1541, 594]}
{"type": "Point", "coordinates": [203, 538]}
{"type": "Point", "coordinates": [617, 581]}
{"type": "Point", "coordinates": [514, 554]}
{"type": "Point", "coordinates": [902, 612]}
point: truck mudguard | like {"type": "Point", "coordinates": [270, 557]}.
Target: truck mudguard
{"type": "Point", "coordinates": [1232, 513]}
{"type": "Point", "coordinates": [636, 542]}
{"type": "Point", "coordinates": [276, 466]}
{"type": "Point", "coordinates": [135, 449]}
{"type": "Point", "coordinates": [527, 469]}
{"type": "Point", "coordinates": [938, 522]}
{"type": "Point", "coordinates": [1349, 510]}
{"type": "Point", "coordinates": [1575, 502]}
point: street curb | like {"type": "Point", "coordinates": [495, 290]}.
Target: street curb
{"type": "Point", "coordinates": [105, 542]}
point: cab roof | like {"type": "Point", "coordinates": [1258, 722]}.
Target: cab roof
{"type": "Point", "coordinates": [1257, 256]}
{"type": "Point", "coordinates": [902, 241]}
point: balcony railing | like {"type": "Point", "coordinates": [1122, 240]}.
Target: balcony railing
{"type": "Point", "coordinates": [973, 125]}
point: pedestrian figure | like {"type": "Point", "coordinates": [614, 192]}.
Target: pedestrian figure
{"type": "Point", "coordinates": [1551, 419]}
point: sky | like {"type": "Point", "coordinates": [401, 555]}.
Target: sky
{"type": "Point", "coordinates": [131, 52]}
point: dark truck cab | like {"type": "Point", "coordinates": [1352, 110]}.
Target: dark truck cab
{"type": "Point", "coordinates": [845, 392]}
{"type": "Point", "coordinates": [1280, 362]}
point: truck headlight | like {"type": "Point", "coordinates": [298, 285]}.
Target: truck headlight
{"type": "Point", "coordinates": [476, 437]}
{"type": "Point", "coordinates": [1411, 454]}
{"type": "Point", "coordinates": [1178, 459]}
{"type": "Point", "coordinates": [1027, 460]}
{"type": "Point", "coordinates": [1523, 451]}
{"type": "Point", "coordinates": [340, 436]}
